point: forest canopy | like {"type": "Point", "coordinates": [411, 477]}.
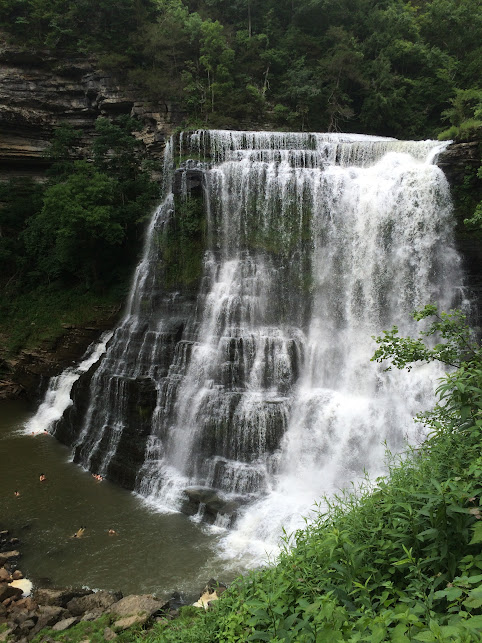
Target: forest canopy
{"type": "Point", "coordinates": [407, 69]}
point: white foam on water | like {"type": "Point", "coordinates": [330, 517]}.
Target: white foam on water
{"type": "Point", "coordinates": [57, 398]}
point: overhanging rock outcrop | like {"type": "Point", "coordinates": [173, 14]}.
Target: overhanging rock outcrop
{"type": "Point", "coordinates": [40, 90]}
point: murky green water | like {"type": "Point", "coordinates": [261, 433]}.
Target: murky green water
{"type": "Point", "coordinates": [151, 552]}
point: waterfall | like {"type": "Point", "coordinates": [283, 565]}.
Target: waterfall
{"type": "Point", "coordinates": [238, 387]}
{"type": "Point", "coordinates": [57, 397]}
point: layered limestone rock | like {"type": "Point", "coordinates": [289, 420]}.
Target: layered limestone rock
{"type": "Point", "coordinates": [460, 162]}
{"type": "Point", "coordinates": [458, 157]}
{"type": "Point", "coordinates": [42, 90]}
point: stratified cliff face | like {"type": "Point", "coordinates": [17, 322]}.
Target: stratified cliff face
{"type": "Point", "coordinates": [38, 92]}
{"type": "Point", "coordinates": [41, 90]}
{"type": "Point", "coordinates": [460, 162]}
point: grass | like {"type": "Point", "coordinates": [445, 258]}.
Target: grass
{"type": "Point", "coordinates": [92, 631]}
{"type": "Point", "coordinates": [36, 319]}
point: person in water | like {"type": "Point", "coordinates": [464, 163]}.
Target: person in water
{"type": "Point", "coordinates": [112, 532]}
{"type": "Point", "coordinates": [42, 477]}
{"type": "Point", "coordinates": [17, 493]}
{"type": "Point", "coordinates": [79, 533]}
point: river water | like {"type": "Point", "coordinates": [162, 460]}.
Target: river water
{"type": "Point", "coordinates": [151, 553]}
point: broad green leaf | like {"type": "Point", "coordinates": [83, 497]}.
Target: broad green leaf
{"type": "Point", "coordinates": [426, 635]}
{"type": "Point", "coordinates": [450, 630]}
{"type": "Point", "coordinates": [453, 593]}
{"type": "Point", "coordinates": [475, 579]}
{"type": "Point", "coordinates": [477, 537]}
{"type": "Point", "coordinates": [474, 622]}
{"type": "Point", "coordinates": [473, 603]}
{"type": "Point", "coordinates": [260, 636]}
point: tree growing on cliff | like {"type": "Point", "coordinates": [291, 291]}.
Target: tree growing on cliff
{"type": "Point", "coordinates": [90, 209]}
{"type": "Point", "coordinates": [78, 224]}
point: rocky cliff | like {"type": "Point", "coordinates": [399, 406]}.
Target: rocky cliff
{"type": "Point", "coordinates": [460, 162]}
{"type": "Point", "coordinates": [41, 90]}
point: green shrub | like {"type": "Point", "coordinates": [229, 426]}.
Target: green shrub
{"type": "Point", "coordinates": [399, 559]}
{"type": "Point", "coordinates": [449, 134]}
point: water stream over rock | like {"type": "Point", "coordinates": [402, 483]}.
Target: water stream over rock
{"type": "Point", "coordinates": [238, 387]}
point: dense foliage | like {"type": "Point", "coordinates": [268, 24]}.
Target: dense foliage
{"type": "Point", "coordinates": [391, 67]}
{"type": "Point", "coordinates": [401, 559]}
{"type": "Point", "coordinates": [76, 235]}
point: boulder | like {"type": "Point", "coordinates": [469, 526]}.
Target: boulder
{"type": "Point", "coordinates": [58, 597]}
{"type": "Point", "coordinates": [109, 634]}
{"type": "Point", "coordinates": [65, 623]}
{"type": "Point", "coordinates": [27, 604]}
{"type": "Point", "coordinates": [4, 575]}
{"type": "Point", "coordinates": [27, 625]}
{"type": "Point", "coordinates": [8, 556]}
{"type": "Point", "coordinates": [7, 591]}
{"type": "Point", "coordinates": [19, 615]}
{"type": "Point", "coordinates": [129, 621]}
{"type": "Point", "coordinates": [213, 501]}
{"type": "Point", "coordinates": [135, 605]}
{"type": "Point", "coordinates": [48, 615]}
{"type": "Point", "coordinates": [92, 616]}
{"type": "Point", "coordinates": [93, 602]}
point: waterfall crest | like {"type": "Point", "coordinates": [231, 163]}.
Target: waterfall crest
{"type": "Point", "coordinates": [253, 394]}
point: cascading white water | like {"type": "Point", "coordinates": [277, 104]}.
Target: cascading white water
{"type": "Point", "coordinates": [57, 398]}
{"type": "Point", "coordinates": [265, 392]}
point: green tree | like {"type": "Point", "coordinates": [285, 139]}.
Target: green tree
{"type": "Point", "coordinates": [63, 151]}
{"type": "Point", "coordinates": [217, 59]}
{"type": "Point", "coordinates": [341, 70]}
{"type": "Point", "coordinates": [449, 340]}
{"type": "Point", "coordinates": [474, 222]}
{"type": "Point", "coordinates": [20, 199]}
{"type": "Point", "coordinates": [91, 210]}
{"type": "Point", "coordinates": [76, 226]}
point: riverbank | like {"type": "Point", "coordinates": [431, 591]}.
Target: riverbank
{"type": "Point", "coordinates": [182, 554]}
{"type": "Point", "coordinates": [25, 615]}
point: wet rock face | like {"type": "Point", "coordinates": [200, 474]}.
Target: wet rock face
{"type": "Point", "coordinates": [189, 180]}
{"type": "Point", "coordinates": [137, 396]}
{"type": "Point", "coordinates": [27, 374]}
{"type": "Point", "coordinates": [459, 161]}
{"type": "Point", "coordinates": [141, 399]}
{"type": "Point", "coordinates": [31, 369]}
{"type": "Point", "coordinates": [39, 91]}
{"type": "Point", "coordinates": [457, 157]}
{"type": "Point", "coordinates": [211, 503]}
